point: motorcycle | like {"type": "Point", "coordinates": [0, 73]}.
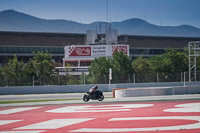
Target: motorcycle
{"type": "Point", "coordinates": [96, 95]}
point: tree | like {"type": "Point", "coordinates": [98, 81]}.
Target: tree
{"type": "Point", "coordinates": [142, 65]}
{"type": "Point", "coordinates": [13, 72]}
{"type": "Point", "coordinates": [2, 78]}
{"type": "Point", "coordinates": [178, 60]}
{"type": "Point", "coordinates": [170, 65]}
{"type": "Point", "coordinates": [172, 61]}
{"type": "Point", "coordinates": [120, 64]}
{"type": "Point", "coordinates": [161, 64]}
{"type": "Point", "coordinates": [121, 67]}
{"type": "Point", "coordinates": [42, 67]}
{"type": "Point", "coordinates": [156, 63]}
{"type": "Point", "coordinates": [143, 69]}
{"type": "Point", "coordinates": [98, 70]}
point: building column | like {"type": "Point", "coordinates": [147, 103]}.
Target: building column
{"type": "Point", "coordinates": [79, 63]}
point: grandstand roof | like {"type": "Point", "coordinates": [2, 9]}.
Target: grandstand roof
{"type": "Point", "coordinates": [63, 39]}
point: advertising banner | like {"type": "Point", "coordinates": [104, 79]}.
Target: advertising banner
{"type": "Point", "coordinates": [79, 51]}
{"type": "Point", "coordinates": [94, 51]}
{"type": "Point", "coordinates": [119, 49]}
{"type": "Point", "coordinates": [100, 50]}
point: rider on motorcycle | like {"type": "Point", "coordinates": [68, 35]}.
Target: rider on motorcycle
{"type": "Point", "coordinates": [92, 90]}
{"type": "Point", "coordinates": [93, 94]}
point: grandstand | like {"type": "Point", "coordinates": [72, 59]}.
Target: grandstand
{"type": "Point", "coordinates": [23, 44]}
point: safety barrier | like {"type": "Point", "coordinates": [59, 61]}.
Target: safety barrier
{"type": "Point", "coordinates": [156, 91]}
{"type": "Point", "coordinates": [82, 88]}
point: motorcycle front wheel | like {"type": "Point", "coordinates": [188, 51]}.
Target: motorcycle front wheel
{"type": "Point", "coordinates": [85, 98]}
{"type": "Point", "coordinates": [101, 97]}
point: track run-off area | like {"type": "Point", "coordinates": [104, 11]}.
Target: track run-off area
{"type": "Point", "coordinates": [137, 117]}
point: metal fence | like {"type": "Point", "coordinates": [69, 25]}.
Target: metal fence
{"type": "Point", "coordinates": [104, 79]}
{"type": "Point", "coordinates": [147, 78]}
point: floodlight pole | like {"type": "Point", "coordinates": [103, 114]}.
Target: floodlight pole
{"type": "Point", "coordinates": [189, 54]}
{"type": "Point", "coordinates": [33, 81]}
{"type": "Point", "coordinates": [110, 75]}
{"type": "Point", "coordinates": [184, 79]}
{"type": "Point", "coordinates": [84, 78]}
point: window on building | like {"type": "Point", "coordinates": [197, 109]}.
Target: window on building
{"type": "Point", "coordinates": [85, 63]}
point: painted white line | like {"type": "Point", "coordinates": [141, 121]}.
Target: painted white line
{"type": "Point", "coordinates": [16, 110]}
{"type": "Point", "coordinates": [22, 131]}
{"type": "Point", "coordinates": [4, 122]}
{"type": "Point", "coordinates": [188, 107]}
{"type": "Point", "coordinates": [55, 123]}
{"type": "Point", "coordinates": [163, 128]}
{"type": "Point", "coordinates": [99, 108]}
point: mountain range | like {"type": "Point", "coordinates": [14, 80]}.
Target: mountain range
{"type": "Point", "coordinates": [11, 20]}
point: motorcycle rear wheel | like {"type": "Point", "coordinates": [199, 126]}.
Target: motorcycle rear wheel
{"type": "Point", "coordinates": [85, 98]}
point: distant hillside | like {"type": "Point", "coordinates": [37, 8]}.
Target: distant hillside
{"type": "Point", "coordinates": [11, 20]}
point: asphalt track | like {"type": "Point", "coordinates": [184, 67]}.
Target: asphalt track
{"type": "Point", "coordinates": [153, 115]}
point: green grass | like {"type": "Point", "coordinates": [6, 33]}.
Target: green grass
{"type": "Point", "coordinates": [29, 101]}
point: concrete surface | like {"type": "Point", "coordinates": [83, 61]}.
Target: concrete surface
{"type": "Point", "coordinates": [156, 91]}
{"type": "Point", "coordinates": [153, 91]}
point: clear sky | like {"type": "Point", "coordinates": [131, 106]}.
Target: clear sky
{"type": "Point", "coordinates": [159, 12]}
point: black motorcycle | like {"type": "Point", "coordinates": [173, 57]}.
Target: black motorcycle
{"type": "Point", "coordinates": [96, 95]}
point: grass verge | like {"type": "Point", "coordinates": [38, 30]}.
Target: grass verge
{"type": "Point", "coordinates": [48, 100]}
{"type": "Point", "coordinates": [29, 101]}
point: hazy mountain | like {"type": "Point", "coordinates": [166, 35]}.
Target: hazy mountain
{"type": "Point", "coordinates": [11, 20]}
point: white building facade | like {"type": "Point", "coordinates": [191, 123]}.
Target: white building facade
{"type": "Point", "coordinates": [78, 58]}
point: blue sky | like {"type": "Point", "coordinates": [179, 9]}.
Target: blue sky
{"type": "Point", "coordinates": [159, 12]}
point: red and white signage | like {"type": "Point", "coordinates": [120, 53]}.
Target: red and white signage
{"type": "Point", "coordinates": [94, 51]}
{"type": "Point", "coordinates": [119, 49]}
{"type": "Point", "coordinates": [79, 51]}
